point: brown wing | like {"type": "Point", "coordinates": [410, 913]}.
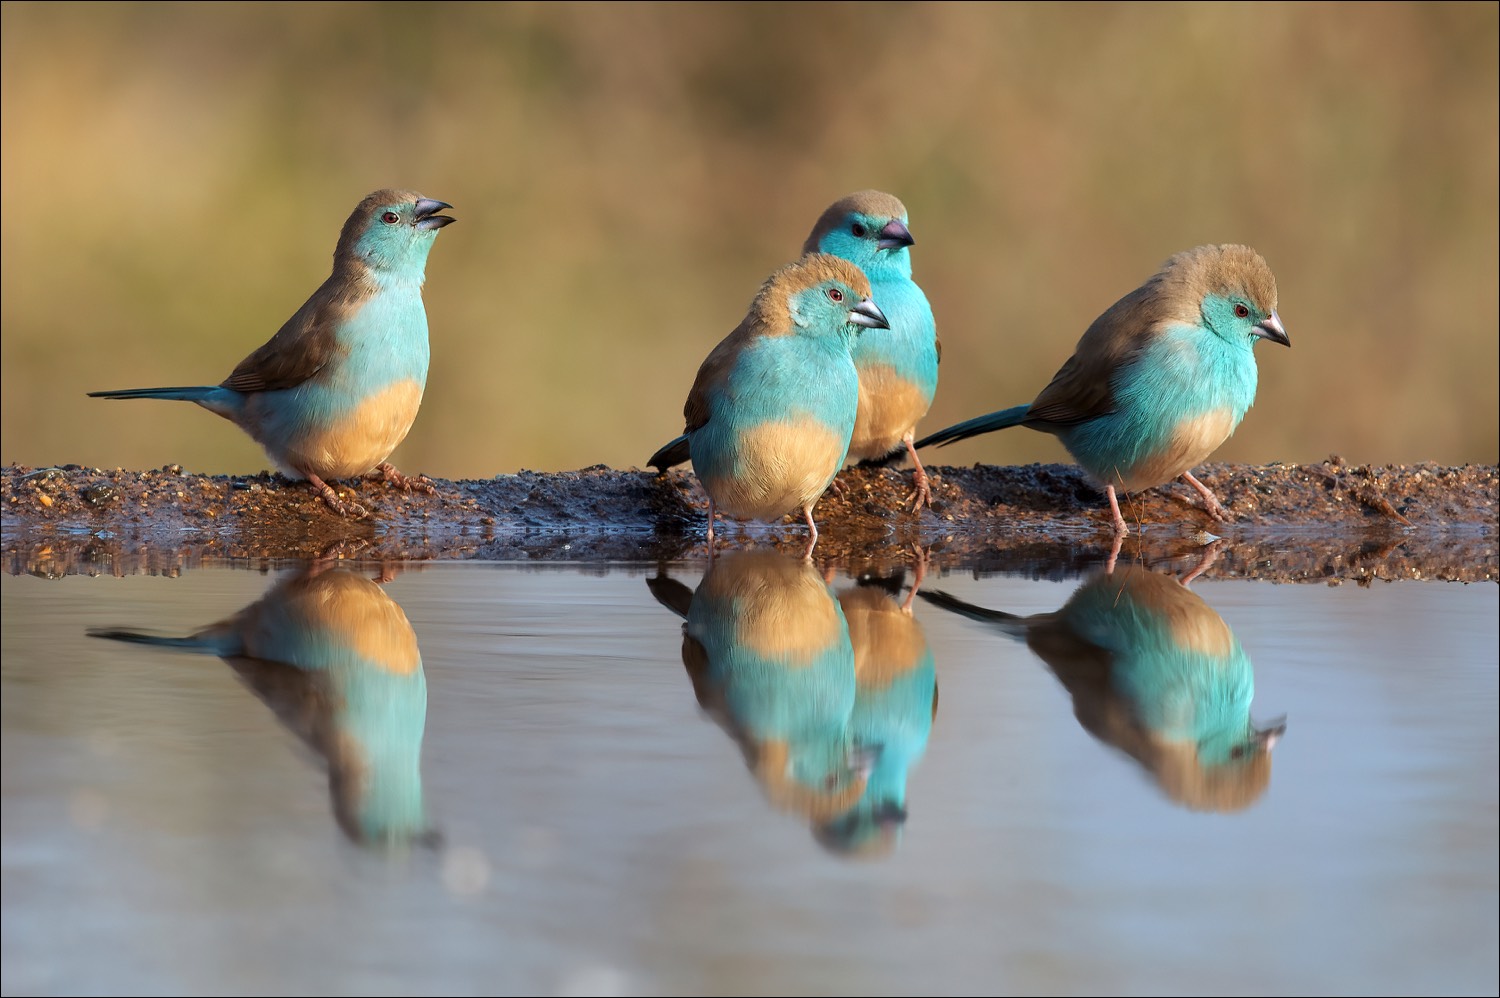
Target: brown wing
{"type": "Point", "coordinates": [714, 371]}
{"type": "Point", "coordinates": [301, 347]}
{"type": "Point", "coordinates": [1083, 388]}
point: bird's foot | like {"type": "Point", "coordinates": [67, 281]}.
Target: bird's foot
{"type": "Point", "coordinates": [838, 488]}
{"type": "Point", "coordinates": [406, 483]}
{"type": "Point", "coordinates": [1210, 501]}
{"type": "Point", "coordinates": [921, 493]}
{"type": "Point", "coordinates": [352, 510]}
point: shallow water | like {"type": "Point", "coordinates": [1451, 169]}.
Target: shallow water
{"type": "Point", "coordinates": [528, 795]}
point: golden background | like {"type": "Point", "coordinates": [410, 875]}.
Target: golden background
{"type": "Point", "coordinates": [174, 178]}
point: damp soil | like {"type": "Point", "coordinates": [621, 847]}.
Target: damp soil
{"type": "Point", "coordinates": [1328, 521]}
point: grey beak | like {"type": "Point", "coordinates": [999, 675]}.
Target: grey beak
{"type": "Point", "coordinates": [869, 315]}
{"type": "Point", "coordinates": [1268, 735]}
{"type": "Point", "coordinates": [1272, 330]}
{"type": "Point", "coordinates": [426, 217]}
{"type": "Point", "coordinates": [895, 235]}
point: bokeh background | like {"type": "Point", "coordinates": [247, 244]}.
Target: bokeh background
{"type": "Point", "coordinates": [174, 178]}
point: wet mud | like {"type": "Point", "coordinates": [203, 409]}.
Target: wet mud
{"type": "Point", "coordinates": [1327, 522]}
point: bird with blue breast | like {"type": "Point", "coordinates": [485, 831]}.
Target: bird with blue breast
{"type": "Point", "coordinates": [338, 387]}
{"type": "Point", "coordinates": [1160, 380]}
{"type": "Point", "coordinates": [898, 370]}
{"type": "Point", "coordinates": [771, 411]}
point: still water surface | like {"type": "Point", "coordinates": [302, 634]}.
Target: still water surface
{"type": "Point", "coordinates": [479, 778]}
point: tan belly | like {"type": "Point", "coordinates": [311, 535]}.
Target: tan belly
{"type": "Point", "coordinates": [1192, 443]}
{"type": "Point", "coordinates": [784, 467]}
{"type": "Point", "coordinates": [361, 440]}
{"type": "Point", "coordinates": [889, 405]}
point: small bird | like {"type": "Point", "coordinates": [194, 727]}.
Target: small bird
{"type": "Point", "coordinates": [1161, 379]}
{"type": "Point", "coordinates": [898, 371]}
{"type": "Point", "coordinates": [1154, 672]}
{"type": "Point", "coordinates": [767, 649]}
{"type": "Point", "coordinates": [338, 386]}
{"type": "Point", "coordinates": [337, 661]}
{"type": "Point", "coordinates": [895, 704]}
{"type": "Point", "coordinates": [770, 414]}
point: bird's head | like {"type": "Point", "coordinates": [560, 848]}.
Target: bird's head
{"type": "Point", "coordinates": [867, 228]}
{"type": "Point", "coordinates": [1234, 289]}
{"type": "Point", "coordinates": [821, 295]}
{"type": "Point", "coordinates": [390, 234]}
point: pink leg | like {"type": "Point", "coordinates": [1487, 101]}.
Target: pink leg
{"type": "Point", "coordinates": [1114, 554]}
{"type": "Point", "coordinates": [1209, 556]}
{"type": "Point", "coordinates": [1210, 502]}
{"type": "Point", "coordinates": [919, 574]}
{"type": "Point", "coordinates": [921, 494]}
{"type": "Point", "coordinates": [405, 483]}
{"type": "Point", "coordinates": [1114, 507]}
{"type": "Point", "coordinates": [812, 530]}
{"type": "Point", "coordinates": [325, 492]}
{"type": "Point", "coordinates": [711, 526]}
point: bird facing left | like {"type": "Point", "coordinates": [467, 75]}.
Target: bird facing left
{"type": "Point", "coordinates": [338, 387]}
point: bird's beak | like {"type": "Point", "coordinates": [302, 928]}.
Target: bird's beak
{"type": "Point", "coordinates": [869, 315]}
{"type": "Point", "coordinates": [426, 219]}
{"type": "Point", "coordinates": [1268, 736]}
{"type": "Point", "coordinates": [1272, 330]}
{"type": "Point", "coordinates": [895, 235]}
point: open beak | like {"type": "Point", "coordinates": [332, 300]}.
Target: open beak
{"type": "Point", "coordinates": [1271, 733]}
{"type": "Point", "coordinates": [895, 235]}
{"type": "Point", "coordinates": [426, 214]}
{"type": "Point", "coordinates": [1272, 330]}
{"type": "Point", "coordinates": [869, 315]}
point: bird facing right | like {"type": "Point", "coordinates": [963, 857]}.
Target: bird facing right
{"type": "Point", "coordinates": [1161, 379]}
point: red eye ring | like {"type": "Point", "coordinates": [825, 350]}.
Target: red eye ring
{"type": "Point", "coordinates": [836, 294]}
{"type": "Point", "coordinates": [390, 218]}
{"type": "Point", "coordinates": [1241, 311]}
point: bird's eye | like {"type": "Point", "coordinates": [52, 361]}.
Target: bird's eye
{"type": "Point", "coordinates": [1241, 311]}
{"type": "Point", "coordinates": [858, 230]}
{"type": "Point", "coordinates": [390, 218]}
{"type": "Point", "coordinates": [835, 294]}
{"type": "Point", "coordinates": [1238, 752]}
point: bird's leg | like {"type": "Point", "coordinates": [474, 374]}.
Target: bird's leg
{"type": "Point", "coordinates": [812, 530]}
{"type": "Point", "coordinates": [406, 483]}
{"type": "Point", "coordinates": [919, 573]}
{"type": "Point", "coordinates": [1208, 557]}
{"type": "Point", "coordinates": [710, 527]}
{"type": "Point", "coordinates": [921, 494]}
{"type": "Point", "coordinates": [353, 510]}
{"type": "Point", "coordinates": [1114, 507]}
{"type": "Point", "coordinates": [1114, 554]}
{"type": "Point", "coordinates": [1210, 501]}
{"type": "Point", "coordinates": [838, 488]}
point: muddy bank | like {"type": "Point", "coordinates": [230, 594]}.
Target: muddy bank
{"type": "Point", "coordinates": [1321, 522]}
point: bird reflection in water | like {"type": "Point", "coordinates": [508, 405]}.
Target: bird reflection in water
{"type": "Point", "coordinates": [1154, 672]}
{"type": "Point", "coordinates": [337, 661]}
{"type": "Point", "coordinates": [830, 700]}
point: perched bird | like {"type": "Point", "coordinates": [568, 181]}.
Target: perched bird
{"type": "Point", "coordinates": [771, 411]}
{"type": "Point", "coordinates": [767, 650]}
{"type": "Point", "coordinates": [1154, 672]}
{"type": "Point", "coordinates": [898, 371]}
{"type": "Point", "coordinates": [895, 704]}
{"type": "Point", "coordinates": [1161, 379]}
{"type": "Point", "coordinates": [338, 386]}
{"type": "Point", "coordinates": [337, 661]}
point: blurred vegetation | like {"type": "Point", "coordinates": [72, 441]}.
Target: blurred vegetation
{"type": "Point", "coordinates": [174, 177]}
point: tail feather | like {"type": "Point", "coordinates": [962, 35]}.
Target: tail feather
{"type": "Point", "coordinates": [670, 454]}
{"type": "Point", "coordinates": [209, 642]}
{"type": "Point", "coordinates": [193, 393]}
{"type": "Point", "coordinates": [1008, 622]}
{"type": "Point", "coordinates": [1004, 419]}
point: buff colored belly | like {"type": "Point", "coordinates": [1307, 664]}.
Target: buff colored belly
{"type": "Point", "coordinates": [782, 467]}
{"type": "Point", "coordinates": [889, 406]}
{"type": "Point", "coordinates": [356, 443]}
{"type": "Point", "coordinates": [1191, 443]}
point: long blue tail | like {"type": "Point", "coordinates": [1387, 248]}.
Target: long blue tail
{"type": "Point", "coordinates": [1005, 418]}
{"type": "Point", "coordinates": [209, 642]}
{"type": "Point", "coordinates": [670, 454]}
{"type": "Point", "coordinates": [196, 393]}
{"type": "Point", "coordinates": [1007, 622]}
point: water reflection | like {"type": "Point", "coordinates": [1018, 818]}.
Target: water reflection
{"type": "Point", "coordinates": [830, 700]}
{"type": "Point", "coordinates": [1156, 673]}
{"type": "Point", "coordinates": [337, 661]}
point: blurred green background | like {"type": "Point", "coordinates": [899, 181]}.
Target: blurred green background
{"type": "Point", "coordinates": [625, 176]}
